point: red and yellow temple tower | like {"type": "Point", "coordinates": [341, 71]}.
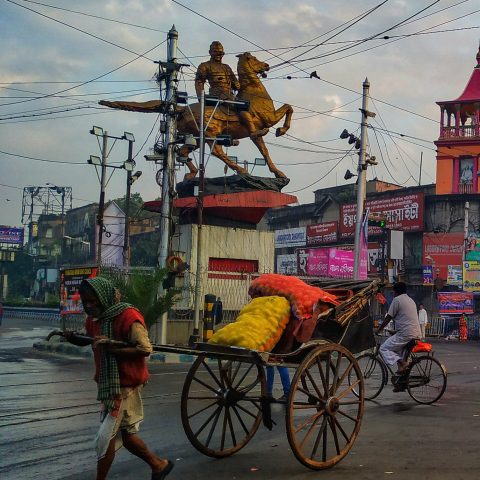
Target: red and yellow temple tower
{"type": "Point", "coordinates": [458, 146]}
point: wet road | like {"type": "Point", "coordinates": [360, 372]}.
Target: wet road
{"type": "Point", "coordinates": [48, 417]}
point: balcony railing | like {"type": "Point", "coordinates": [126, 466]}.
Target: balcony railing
{"type": "Point", "coordinates": [466, 131]}
{"type": "Point", "coordinates": [465, 187]}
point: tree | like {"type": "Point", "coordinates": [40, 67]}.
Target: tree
{"type": "Point", "coordinates": [140, 288]}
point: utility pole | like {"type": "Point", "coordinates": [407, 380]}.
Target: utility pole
{"type": "Point", "coordinates": [101, 203]}
{"type": "Point", "coordinates": [465, 230]}
{"type": "Point", "coordinates": [126, 239]}
{"type": "Point", "coordinates": [168, 162]}
{"type": "Point", "coordinates": [362, 179]}
{"type": "Point", "coordinates": [420, 175]}
{"type": "Point", "coordinates": [201, 185]}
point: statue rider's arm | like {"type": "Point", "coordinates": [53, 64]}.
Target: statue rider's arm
{"type": "Point", "coordinates": [200, 79]}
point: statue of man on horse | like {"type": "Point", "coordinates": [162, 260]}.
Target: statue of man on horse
{"type": "Point", "coordinates": [253, 124]}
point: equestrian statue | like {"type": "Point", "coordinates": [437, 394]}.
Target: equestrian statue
{"type": "Point", "coordinates": [254, 123]}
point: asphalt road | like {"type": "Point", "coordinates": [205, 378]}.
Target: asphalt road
{"type": "Point", "coordinates": [48, 418]}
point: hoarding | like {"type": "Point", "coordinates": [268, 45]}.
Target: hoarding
{"type": "Point", "coordinates": [442, 250]}
{"type": "Point", "coordinates": [70, 280]}
{"type": "Point", "coordinates": [402, 212]}
{"type": "Point", "coordinates": [455, 275]}
{"type": "Point", "coordinates": [287, 264]}
{"type": "Point", "coordinates": [291, 237]}
{"type": "Point", "coordinates": [322, 233]}
{"type": "Point", "coordinates": [471, 276]}
{"type": "Point", "coordinates": [455, 302]}
{"type": "Point", "coordinates": [11, 235]}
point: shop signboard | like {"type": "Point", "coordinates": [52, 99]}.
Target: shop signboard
{"type": "Point", "coordinates": [402, 212]}
{"type": "Point", "coordinates": [471, 276]}
{"type": "Point", "coordinates": [427, 274]}
{"type": "Point", "coordinates": [291, 237]}
{"type": "Point", "coordinates": [287, 264]}
{"type": "Point", "coordinates": [11, 235]}
{"type": "Point", "coordinates": [322, 233]}
{"type": "Point", "coordinates": [455, 275]}
{"type": "Point", "coordinates": [455, 302]}
{"type": "Point", "coordinates": [340, 263]}
{"type": "Point", "coordinates": [70, 280]}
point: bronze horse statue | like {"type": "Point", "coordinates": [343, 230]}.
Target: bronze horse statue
{"type": "Point", "coordinates": [227, 122]}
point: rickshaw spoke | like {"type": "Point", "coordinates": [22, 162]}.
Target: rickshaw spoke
{"type": "Point", "coordinates": [349, 389]}
{"type": "Point", "coordinates": [204, 398]}
{"type": "Point", "coordinates": [209, 370]}
{"type": "Point", "coordinates": [303, 405]}
{"type": "Point", "coordinates": [351, 402]}
{"type": "Point", "coordinates": [333, 428]}
{"type": "Point", "coordinates": [344, 375]}
{"type": "Point", "coordinates": [234, 375]}
{"type": "Point", "coordinates": [206, 385]}
{"type": "Point", "coordinates": [221, 374]}
{"type": "Point", "coordinates": [314, 384]}
{"type": "Point", "coordinates": [347, 438]}
{"type": "Point", "coordinates": [347, 416]}
{"type": "Point", "coordinates": [310, 419]}
{"type": "Point", "coordinates": [306, 392]}
{"type": "Point", "coordinates": [230, 426]}
{"type": "Point", "coordinates": [240, 420]}
{"type": "Point", "coordinates": [324, 449]}
{"type": "Point", "coordinates": [317, 440]}
{"type": "Point", "coordinates": [203, 409]}
{"type": "Point", "coordinates": [243, 376]}
{"type": "Point", "coordinates": [335, 375]}
{"type": "Point", "coordinates": [322, 376]}
{"type": "Point", "coordinates": [224, 428]}
{"type": "Point", "coordinates": [207, 421]}
{"type": "Point", "coordinates": [246, 411]}
{"type": "Point", "coordinates": [209, 438]}
{"type": "Point", "coordinates": [310, 430]}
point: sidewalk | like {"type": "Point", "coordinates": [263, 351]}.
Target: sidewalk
{"type": "Point", "coordinates": [59, 346]}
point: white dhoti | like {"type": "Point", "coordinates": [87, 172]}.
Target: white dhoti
{"type": "Point", "coordinates": [392, 349]}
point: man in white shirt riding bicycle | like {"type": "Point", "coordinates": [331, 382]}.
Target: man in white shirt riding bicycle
{"type": "Point", "coordinates": [404, 312]}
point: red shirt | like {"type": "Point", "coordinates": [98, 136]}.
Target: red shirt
{"type": "Point", "coordinates": [132, 371]}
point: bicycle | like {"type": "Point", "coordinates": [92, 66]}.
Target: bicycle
{"type": "Point", "coordinates": [425, 378]}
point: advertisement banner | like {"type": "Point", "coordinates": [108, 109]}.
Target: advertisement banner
{"type": "Point", "coordinates": [291, 237]}
{"type": "Point", "coordinates": [471, 276]}
{"type": "Point", "coordinates": [472, 248]}
{"type": "Point", "coordinates": [322, 233]}
{"type": "Point", "coordinates": [402, 212]}
{"type": "Point", "coordinates": [340, 263]}
{"type": "Point", "coordinates": [455, 302]}
{"type": "Point", "coordinates": [442, 250]}
{"type": "Point", "coordinates": [70, 280]}
{"type": "Point", "coordinates": [427, 274]}
{"type": "Point", "coordinates": [11, 235]}
{"type": "Point", "coordinates": [287, 264]}
{"type": "Point", "coordinates": [455, 275]}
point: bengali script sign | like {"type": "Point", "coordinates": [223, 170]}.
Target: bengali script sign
{"type": "Point", "coordinates": [291, 237]}
{"type": "Point", "coordinates": [11, 235]}
{"type": "Point", "coordinates": [441, 250]}
{"type": "Point", "coordinates": [322, 233]}
{"type": "Point", "coordinates": [455, 302]}
{"type": "Point", "coordinates": [402, 212]}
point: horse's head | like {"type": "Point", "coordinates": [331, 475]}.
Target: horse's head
{"type": "Point", "coordinates": [247, 63]}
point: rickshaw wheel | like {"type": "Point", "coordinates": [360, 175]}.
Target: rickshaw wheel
{"type": "Point", "coordinates": [221, 405]}
{"type": "Point", "coordinates": [325, 406]}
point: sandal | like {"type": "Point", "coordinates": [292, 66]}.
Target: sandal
{"type": "Point", "coordinates": [163, 473]}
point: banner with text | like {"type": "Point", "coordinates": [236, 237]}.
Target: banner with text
{"type": "Point", "coordinates": [455, 302]}
{"type": "Point", "coordinates": [402, 212]}
{"type": "Point", "coordinates": [471, 276]}
{"type": "Point", "coordinates": [291, 237]}
{"type": "Point", "coordinates": [441, 250]}
{"type": "Point", "coordinates": [11, 235]}
{"type": "Point", "coordinates": [287, 264]}
{"type": "Point", "coordinates": [322, 233]}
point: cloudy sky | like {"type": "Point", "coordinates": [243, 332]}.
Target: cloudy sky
{"type": "Point", "coordinates": [60, 57]}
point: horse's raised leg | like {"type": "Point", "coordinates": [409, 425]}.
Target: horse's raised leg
{"type": "Point", "coordinates": [217, 150]}
{"type": "Point", "coordinates": [264, 151]}
{"type": "Point", "coordinates": [184, 152]}
{"type": "Point", "coordinates": [287, 111]}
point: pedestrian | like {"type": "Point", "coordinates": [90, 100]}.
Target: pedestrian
{"type": "Point", "coordinates": [120, 372]}
{"type": "Point", "coordinates": [422, 320]}
{"type": "Point", "coordinates": [285, 379]}
{"type": "Point", "coordinates": [404, 312]}
{"type": "Point", "coordinates": [463, 328]}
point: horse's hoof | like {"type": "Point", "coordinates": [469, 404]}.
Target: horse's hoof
{"type": "Point", "coordinates": [281, 131]}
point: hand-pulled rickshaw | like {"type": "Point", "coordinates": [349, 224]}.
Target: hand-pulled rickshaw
{"type": "Point", "coordinates": [224, 399]}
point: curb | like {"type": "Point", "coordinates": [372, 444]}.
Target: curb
{"type": "Point", "coordinates": [64, 348]}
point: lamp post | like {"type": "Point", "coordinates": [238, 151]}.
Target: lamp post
{"type": "Point", "coordinates": [102, 162]}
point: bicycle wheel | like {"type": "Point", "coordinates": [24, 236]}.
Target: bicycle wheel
{"type": "Point", "coordinates": [426, 380]}
{"type": "Point", "coordinates": [374, 375]}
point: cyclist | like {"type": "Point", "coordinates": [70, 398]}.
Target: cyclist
{"type": "Point", "coordinates": [404, 311]}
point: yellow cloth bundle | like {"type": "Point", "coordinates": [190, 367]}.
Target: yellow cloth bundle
{"type": "Point", "coordinates": [258, 326]}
